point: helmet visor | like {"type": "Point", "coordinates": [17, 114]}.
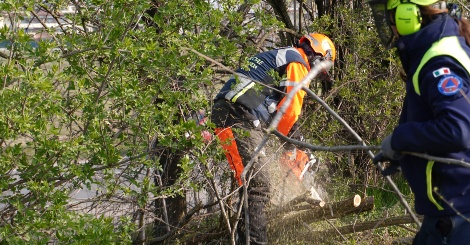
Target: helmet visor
{"type": "Point", "coordinates": [382, 22]}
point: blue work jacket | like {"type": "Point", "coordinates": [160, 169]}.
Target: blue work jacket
{"type": "Point", "coordinates": [435, 120]}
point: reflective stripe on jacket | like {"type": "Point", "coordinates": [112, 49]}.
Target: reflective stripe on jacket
{"type": "Point", "coordinates": [291, 64]}
{"type": "Point", "coordinates": [440, 48]}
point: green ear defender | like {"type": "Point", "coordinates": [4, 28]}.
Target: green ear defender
{"type": "Point", "coordinates": [407, 18]}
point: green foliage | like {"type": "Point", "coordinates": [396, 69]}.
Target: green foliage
{"type": "Point", "coordinates": [70, 228]}
{"type": "Point", "coordinates": [385, 197]}
{"type": "Point", "coordinates": [79, 110]}
{"type": "Point", "coordinates": [366, 93]}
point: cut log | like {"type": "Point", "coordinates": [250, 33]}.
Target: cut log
{"type": "Point", "coordinates": [296, 204]}
{"type": "Point", "coordinates": [369, 225]}
{"type": "Point", "coordinates": [310, 235]}
{"type": "Point", "coordinates": [328, 211]}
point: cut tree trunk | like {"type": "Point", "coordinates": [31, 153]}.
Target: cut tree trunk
{"type": "Point", "coordinates": [368, 225]}
{"type": "Point", "coordinates": [302, 202]}
{"type": "Point", "coordinates": [328, 211]}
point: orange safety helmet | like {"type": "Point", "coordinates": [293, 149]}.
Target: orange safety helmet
{"type": "Point", "coordinates": [321, 44]}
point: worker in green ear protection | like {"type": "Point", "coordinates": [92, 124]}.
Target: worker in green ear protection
{"type": "Point", "coordinates": [395, 18]}
{"type": "Point", "coordinates": [432, 40]}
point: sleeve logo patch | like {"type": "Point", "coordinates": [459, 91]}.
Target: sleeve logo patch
{"type": "Point", "coordinates": [442, 71]}
{"type": "Point", "coordinates": [450, 85]}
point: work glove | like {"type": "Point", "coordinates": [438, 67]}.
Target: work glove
{"type": "Point", "coordinates": [392, 168]}
{"type": "Point", "coordinates": [387, 150]}
{"type": "Point", "coordinates": [387, 154]}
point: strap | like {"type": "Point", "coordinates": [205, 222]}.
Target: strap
{"type": "Point", "coordinates": [243, 84]}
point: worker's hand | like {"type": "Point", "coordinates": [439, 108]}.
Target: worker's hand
{"type": "Point", "coordinates": [380, 157]}
{"type": "Point", "coordinates": [387, 154]}
{"type": "Point", "coordinates": [393, 165]}
{"type": "Point", "coordinates": [393, 168]}
{"type": "Point", "coordinates": [387, 150]}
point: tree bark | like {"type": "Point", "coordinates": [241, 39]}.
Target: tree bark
{"type": "Point", "coordinates": [328, 211]}
{"type": "Point", "coordinates": [281, 10]}
{"type": "Point", "coordinates": [295, 205]}
{"type": "Point", "coordinates": [309, 235]}
{"type": "Point", "coordinates": [368, 225]}
{"type": "Point", "coordinates": [170, 209]}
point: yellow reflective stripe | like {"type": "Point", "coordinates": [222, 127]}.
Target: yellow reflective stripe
{"type": "Point", "coordinates": [243, 83]}
{"type": "Point", "coordinates": [429, 185]}
{"type": "Point", "coordinates": [242, 92]}
{"type": "Point", "coordinates": [439, 48]}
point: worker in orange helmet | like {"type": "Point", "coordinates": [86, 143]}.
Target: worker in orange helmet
{"type": "Point", "coordinates": [243, 108]}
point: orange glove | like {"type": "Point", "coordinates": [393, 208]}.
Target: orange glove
{"type": "Point", "coordinates": [295, 160]}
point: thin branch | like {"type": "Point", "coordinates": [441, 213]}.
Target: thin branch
{"type": "Point", "coordinates": [371, 154]}
{"type": "Point", "coordinates": [210, 59]}
{"type": "Point", "coordinates": [461, 163]}
{"type": "Point", "coordinates": [184, 221]}
{"type": "Point", "coordinates": [365, 147]}
{"type": "Point", "coordinates": [325, 148]}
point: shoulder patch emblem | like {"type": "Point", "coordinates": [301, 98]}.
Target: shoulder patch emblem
{"type": "Point", "coordinates": [442, 71]}
{"type": "Point", "coordinates": [449, 85]}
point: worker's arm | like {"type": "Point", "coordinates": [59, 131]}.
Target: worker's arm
{"type": "Point", "coordinates": [295, 73]}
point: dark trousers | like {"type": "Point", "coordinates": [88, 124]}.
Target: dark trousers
{"type": "Point", "coordinates": [450, 230]}
{"type": "Point", "coordinates": [247, 138]}
{"type": "Point", "coordinates": [258, 191]}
